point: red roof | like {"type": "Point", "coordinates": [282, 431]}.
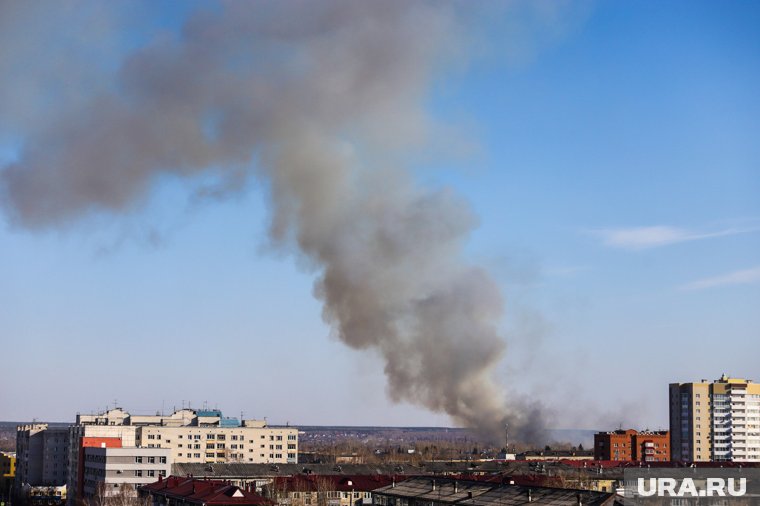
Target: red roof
{"type": "Point", "coordinates": [212, 492]}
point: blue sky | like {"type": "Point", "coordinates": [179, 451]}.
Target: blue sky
{"type": "Point", "coordinates": [615, 171]}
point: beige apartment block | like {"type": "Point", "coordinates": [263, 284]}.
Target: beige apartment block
{"type": "Point", "coordinates": [715, 421]}
{"type": "Point", "coordinates": [187, 436]}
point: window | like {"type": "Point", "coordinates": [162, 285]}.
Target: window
{"type": "Point", "coordinates": [138, 460]}
{"type": "Point", "coordinates": [179, 455]}
{"type": "Point", "coordinates": [220, 455]}
{"type": "Point", "coordinates": [220, 446]}
{"type": "Point", "coordinates": [162, 460]}
{"type": "Point", "coordinates": [278, 447]}
{"type": "Point", "coordinates": [138, 472]}
{"type": "Point", "coordinates": [197, 455]}
{"type": "Point", "coordinates": [234, 437]}
{"type": "Point", "coordinates": [179, 445]}
{"type": "Point", "coordinates": [209, 455]}
{"type": "Point", "coordinates": [279, 438]}
{"type": "Point", "coordinates": [210, 436]}
{"type": "Point", "coordinates": [221, 437]}
{"type": "Point", "coordinates": [151, 436]}
{"type": "Point", "coordinates": [180, 436]}
{"type": "Point", "coordinates": [151, 460]}
{"type": "Point", "coordinates": [291, 447]}
{"type": "Point", "coordinates": [209, 445]}
{"type": "Point", "coordinates": [151, 473]}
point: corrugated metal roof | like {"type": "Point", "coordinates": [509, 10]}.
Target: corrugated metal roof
{"type": "Point", "coordinates": [469, 493]}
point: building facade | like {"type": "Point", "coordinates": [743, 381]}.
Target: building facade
{"type": "Point", "coordinates": [632, 445]}
{"type": "Point", "coordinates": [106, 471]}
{"type": "Point", "coordinates": [189, 436]}
{"type": "Point", "coordinates": [41, 455]}
{"type": "Point", "coordinates": [715, 421]}
{"type": "Point", "coordinates": [326, 490]}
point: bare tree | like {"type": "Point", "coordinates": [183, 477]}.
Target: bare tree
{"type": "Point", "coordinates": [125, 496]}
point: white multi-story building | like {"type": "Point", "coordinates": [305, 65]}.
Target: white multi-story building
{"type": "Point", "coordinates": [189, 436]}
{"type": "Point", "coordinates": [107, 470]}
{"type": "Point", "coordinates": [718, 421]}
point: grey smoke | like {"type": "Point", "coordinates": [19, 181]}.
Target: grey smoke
{"type": "Point", "coordinates": [319, 101]}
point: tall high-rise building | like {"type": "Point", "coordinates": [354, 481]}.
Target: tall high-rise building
{"type": "Point", "coordinates": [715, 421]}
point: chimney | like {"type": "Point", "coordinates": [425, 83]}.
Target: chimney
{"type": "Point", "coordinates": [393, 482]}
{"type": "Point", "coordinates": [578, 499]}
{"type": "Point", "coordinates": [432, 482]}
{"type": "Point", "coordinates": [530, 497]}
{"type": "Point", "coordinates": [456, 486]}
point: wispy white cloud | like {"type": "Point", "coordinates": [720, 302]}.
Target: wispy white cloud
{"type": "Point", "coordinates": [638, 238]}
{"type": "Point", "coordinates": [742, 277]}
{"type": "Point", "coordinates": [566, 271]}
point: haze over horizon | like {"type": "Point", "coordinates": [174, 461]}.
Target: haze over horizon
{"type": "Point", "coordinates": [596, 164]}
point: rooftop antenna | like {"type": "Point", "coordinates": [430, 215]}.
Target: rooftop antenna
{"type": "Point", "coordinates": [506, 438]}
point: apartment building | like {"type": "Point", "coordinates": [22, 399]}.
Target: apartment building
{"type": "Point", "coordinates": [632, 445]}
{"type": "Point", "coordinates": [106, 471]}
{"type": "Point", "coordinates": [190, 436]}
{"type": "Point", "coordinates": [41, 455]}
{"type": "Point", "coordinates": [715, 421]}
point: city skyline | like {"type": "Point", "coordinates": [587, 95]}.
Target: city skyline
{"type": "Point", "coordinates": [607, 150]}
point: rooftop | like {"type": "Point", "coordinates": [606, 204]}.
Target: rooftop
{"type": "Point", "coordinates": [480, 493]}
{"type": "Point", "coordinates": [206, 492]}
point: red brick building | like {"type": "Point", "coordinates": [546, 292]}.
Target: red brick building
{"type": "Point", "coordinates": [632, 445]}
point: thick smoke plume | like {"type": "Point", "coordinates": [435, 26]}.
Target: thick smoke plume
{"type": "Point", "coordinates": [319, 100]}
